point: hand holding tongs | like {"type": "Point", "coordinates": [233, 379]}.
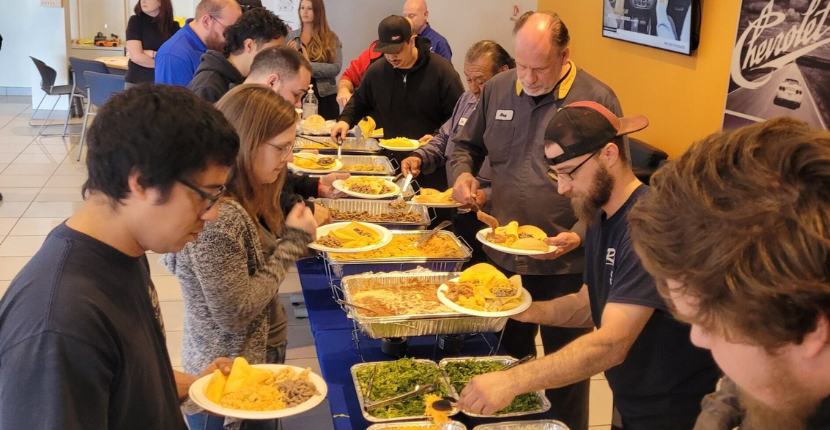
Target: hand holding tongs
{"type": "Point", "coordinates": [447, 403]}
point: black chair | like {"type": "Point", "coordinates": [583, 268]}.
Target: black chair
{"type": "Point", "coordinates": [645, 159]}
{"type": "Point", "coordinates": [80, 89]}
{"type": "Point", "coordinates": [48, 76]}
{"type": "Point", "coordinates": [101, 86]}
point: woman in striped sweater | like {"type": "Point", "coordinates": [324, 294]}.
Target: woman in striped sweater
{"type": "Point", "coordinates": [230, 275]}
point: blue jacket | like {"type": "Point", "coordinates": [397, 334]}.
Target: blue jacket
{"type": "Point", "coordinates": [440, 45]}
{"type": "Point", "coordinates": [179, 57]}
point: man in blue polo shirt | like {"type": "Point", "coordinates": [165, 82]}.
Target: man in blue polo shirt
{"type": "Point", "coordinates": [178, 58]}
{"type": "Point", "coordinates": [416, 11]}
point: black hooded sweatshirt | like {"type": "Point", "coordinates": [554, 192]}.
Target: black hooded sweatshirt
{"type": "Point", "coordinates": [407, 103]}
{"type": "Point", "coordinates": [214, 77]}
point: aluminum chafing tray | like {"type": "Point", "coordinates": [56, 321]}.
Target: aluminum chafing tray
{"type": "Point", "coordinates": [342, 268]}
{"type": "Point", "coordinates": [540, 395]}
{"type": "Point", "coordinates": [524, 425]}
{"type": "Point", "coordinates": [376, 207]}
{"type": "Point", "coordinates": [372, 160]}
{"type": "Point", "coordinates": [351, 145]}
{"type": "Point", "coordinates": [415, 325]}
{"type": "Point", "coordinates": [449, 425]}
{"type": "Point", "coordinates": [361, 400]}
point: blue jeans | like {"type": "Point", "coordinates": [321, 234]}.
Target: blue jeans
{"type": "Point", "coordinates": [213, 422]}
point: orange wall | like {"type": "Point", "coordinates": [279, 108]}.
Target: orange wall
{"type": "Point", "coordinates": [682, 96]}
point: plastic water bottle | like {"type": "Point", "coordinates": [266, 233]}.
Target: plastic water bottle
{"type": "Point", "coordinates": [309, 103]}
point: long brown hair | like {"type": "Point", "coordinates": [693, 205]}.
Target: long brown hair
{"type": "Point", "coordinates": [164, 20]}
{"type": "Point", "coordinates": [321, 46]}
{"type": "Point", "coordinates": [258, 114]}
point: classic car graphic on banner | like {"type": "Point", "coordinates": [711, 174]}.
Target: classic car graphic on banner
{"type": "Point", "coordinates": [780, 63]}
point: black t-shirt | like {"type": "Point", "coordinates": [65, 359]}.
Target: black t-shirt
{"type": "Point", "coordinates": [141, 27]}
{"type": "Point", "coordinates": [664, 377]}
{"type": "Point", "coordinates": [82, 342]}
{"type": "Point", "coordinates": [820, 420]}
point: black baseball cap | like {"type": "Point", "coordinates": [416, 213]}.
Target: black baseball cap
{"type": "Point", "coordinates": [584, 127]}
{"type": "Point", "coordinates": [393, 32]}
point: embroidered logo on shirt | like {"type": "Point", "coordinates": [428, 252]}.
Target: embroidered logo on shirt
{"type": "Point", "coordinates": [504, 115]}
{"type": "Point", "coordinates": [462, 121]}
{"type": "Point", "coordinates": [610, 256]}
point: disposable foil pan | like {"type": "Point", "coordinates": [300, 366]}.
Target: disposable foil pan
{"type": "Point", "coordinates": [362, 401]}
{"type": "Point", "coordinates": [449, 425]}
{"type": "Point", "coordinates": [376, 207]}
{"type": "Point", "coordinates": [372, 160]}
{"type": "Point", "coordinates": [524, 425]}
{"type": "Point", "coordinates": [540, 395]}
{"type": "Point", "coordinates": [342, 268]}
{"type": "Point", "coordinates": [351, 145]}
{"type": "Point", "coordinates": [415, 325]}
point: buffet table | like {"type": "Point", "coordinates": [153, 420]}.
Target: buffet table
{"type": "Point", "coordinates": [337, 350]}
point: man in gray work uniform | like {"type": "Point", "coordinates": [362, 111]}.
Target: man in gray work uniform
{"type": "Point", "coordinates": [508, 126]}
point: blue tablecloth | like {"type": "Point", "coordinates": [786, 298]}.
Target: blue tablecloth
{"type": "Point", "coordinates": [337, 352]}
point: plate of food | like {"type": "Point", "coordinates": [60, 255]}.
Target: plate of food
{"type": "Point", "coordinates": [351, 237]}
{"type": "Point", "coordinates": [514, 239]}
{"type": "Point", "coordinates": [260, 391]}
{"type": "Point", "coordinates": [400, 144]}
{"type": "Point", "coordinates": [435, 198]}
{"type": "Point", "coordinates": [314, 163]}
{"type": "Point", "coordinates": [367, 187]}
{"type": "Point", "coordinates": [483, 291]}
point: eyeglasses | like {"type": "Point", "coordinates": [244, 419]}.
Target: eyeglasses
{"type": "Point", "coordinates": [218, 22]}
{"type": "Point", "coordinates": [283, 151]}
{"type": "Point", "coordinates": [212, 199]}
{"type": "Point", "coordinates": [568, 176]}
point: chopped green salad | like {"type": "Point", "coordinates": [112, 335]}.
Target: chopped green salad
{"type": "Point", "coordinates": [398, 377]}
{"type": "Point", "coordinates": [461, 372]}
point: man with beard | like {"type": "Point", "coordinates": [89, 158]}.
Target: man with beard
{"type": "Point", "coordinates": [736, 231]}
{"type": "Point", "coordinates": [508, 126]}
{"type": "Point", "coordinates": [657, 376]}
{"type": "Point", "coordinates": [178, 58]}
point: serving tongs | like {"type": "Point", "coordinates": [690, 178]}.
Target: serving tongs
{"type": "Point", "coordinates": [321, 142]}
{"type": "Point", "coordinates": [448, 403]}
{"type": "Point", "coordinates": [419, 389]}
{"type": "Point", "coordinates": [354, 306]}
{"type": "Point", "coordinates": [424, 237]}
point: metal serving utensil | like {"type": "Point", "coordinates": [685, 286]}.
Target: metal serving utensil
{"type": "Point", "coordinates": [321, 142]}
{"type": "Point", "coordinates": [352, 305]}
{"type": "Point", "coordinates": [432, 232]}
{"type": "Point", "coordinates": [419, 389]}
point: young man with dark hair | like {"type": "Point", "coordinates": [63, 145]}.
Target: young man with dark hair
{"type": "Point", "coordinates": [284, 70]}
{"type": "Point", "coordinates": [737, 233]}
{"type": "Point", "coordinates": [657, 376]}
{"type": "Point", "coordinates": [82, 340]}
{"type": "Point", "coordinates": [256, 30]}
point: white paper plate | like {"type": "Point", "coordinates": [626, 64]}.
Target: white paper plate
{"type": "Point", "coordinates": [415, 201]}
{"type": "Point", "coordinates": [526, 301]}
{"type": "Point", "coordinates": [415, 145]}
{"type": "Point", "coordinates": [385, 238]}
{"type": "Point", "coordinates": [340, 185]}
{"type": "Point", "coordinates": [197, 394]}
{"type": "Point", "coordinates": [337, 164]}
{"type": "Point", "coordinates": [507, 250]}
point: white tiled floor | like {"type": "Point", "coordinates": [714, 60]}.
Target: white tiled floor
{"type": "Point", "coordinates": [41, 180]}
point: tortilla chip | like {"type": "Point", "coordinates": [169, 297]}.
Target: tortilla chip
{"type": "Point", "coordinates": [530, 244]}
{"type": "Point", "coordinates": [532, 230]}
{"type": "Point", "coordinates": [216, 386]}
{"type": "Point", "coordinates": [239, 373]}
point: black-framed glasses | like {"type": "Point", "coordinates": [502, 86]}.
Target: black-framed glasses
{"type": "Point", "coordinates": [212, 199]}
{"type": "Point", "coordinates": [569, 176]}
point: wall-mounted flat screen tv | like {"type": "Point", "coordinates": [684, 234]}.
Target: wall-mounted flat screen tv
{"type": "Point", "coordinates": [664, 24]}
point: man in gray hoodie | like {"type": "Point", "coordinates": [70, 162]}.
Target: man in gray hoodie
{"type": "Point", "coordinates": [218, 72]}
